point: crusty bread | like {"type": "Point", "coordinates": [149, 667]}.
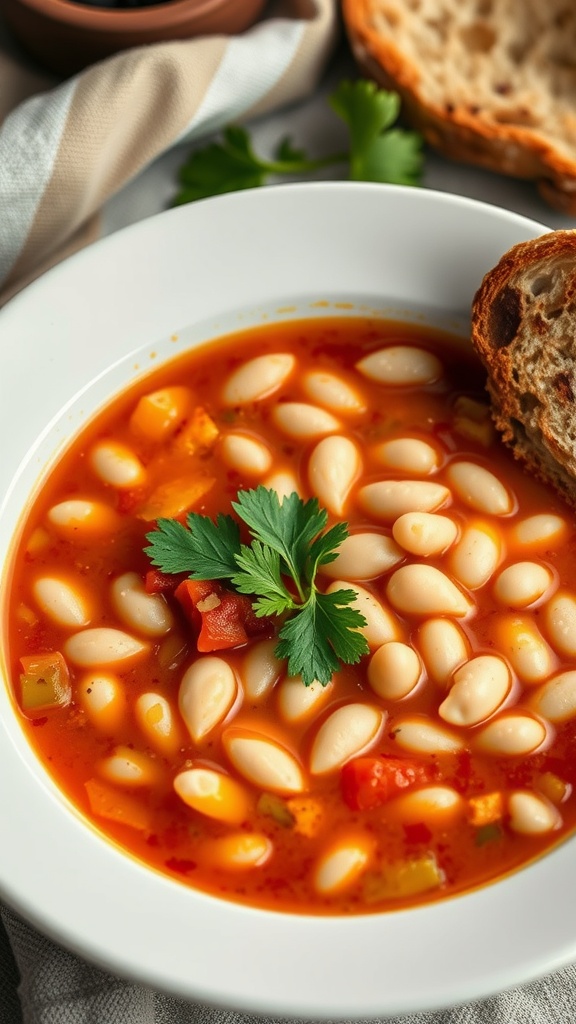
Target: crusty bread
{"type": "Point", "coordinates": [524, 330]}
{"type": "Point", "coordinates": [490, 82]}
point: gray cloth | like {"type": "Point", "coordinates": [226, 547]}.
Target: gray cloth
{"type": "Point", "coordinates": [56, 987]}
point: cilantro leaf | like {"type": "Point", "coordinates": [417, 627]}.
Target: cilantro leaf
{"type": "Point", "coordinates": [376, 151]}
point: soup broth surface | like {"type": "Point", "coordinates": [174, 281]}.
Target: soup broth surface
{"type": "Point", "coordinates": [441, 761]}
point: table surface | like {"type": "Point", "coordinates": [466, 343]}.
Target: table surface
{"type": "Point", "coordinates": [314, 127]}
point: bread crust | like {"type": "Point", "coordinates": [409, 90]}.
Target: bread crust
{"type": "Point", "coordinates": [524, 331]}
{"type": "Point", "coordinates": [464, 131]}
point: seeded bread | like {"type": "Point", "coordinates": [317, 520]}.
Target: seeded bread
{"type": "Point", "coordinates": [489, 82]}
{"type": "Point", "coordinates": [524, 330]}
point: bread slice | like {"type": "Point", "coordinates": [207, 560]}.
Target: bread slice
{"type": "Point", "coordinates": [524, 330]}
{"type": "Point", "coordinates": [489, 82]}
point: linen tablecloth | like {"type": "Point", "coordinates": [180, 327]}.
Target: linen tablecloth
{"type": "Point", "coordinates": [65, 149]}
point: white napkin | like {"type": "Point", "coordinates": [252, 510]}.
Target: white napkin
{"type": "Point", "coordinates": [66, 149]}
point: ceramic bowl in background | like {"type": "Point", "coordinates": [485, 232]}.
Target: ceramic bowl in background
{"type": "Point", "coordinates": [67, 35]}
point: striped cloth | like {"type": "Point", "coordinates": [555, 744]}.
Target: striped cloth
{"type": "Point", "coordinates": [66, 148]}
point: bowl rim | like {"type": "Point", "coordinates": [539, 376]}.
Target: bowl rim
{"type": "Point", "coordinates": [356, 967]}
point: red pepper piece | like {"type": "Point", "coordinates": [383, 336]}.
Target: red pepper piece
{"type": "Point", "coordinates": [158, 582]}
{"type": "Point", "coordinates": [369, 782]}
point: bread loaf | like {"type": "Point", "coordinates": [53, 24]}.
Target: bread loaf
{"type": "Point", "coordinates": [524, 330]}
{"type": "Point", "coordinates": [490, 82]}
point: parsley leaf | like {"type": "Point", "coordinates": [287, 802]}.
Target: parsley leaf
{"type": "Point", "coordinates": [289, 541]}
{"type": "Point", "coordinates": [206, 550]}
{"type": "Point", "coordinates": [376, 152]}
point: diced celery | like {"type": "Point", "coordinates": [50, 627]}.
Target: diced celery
{"type": "Point", "coordinates": [404, 879]}
{"type": "Point", "coordinates": [44, 682]}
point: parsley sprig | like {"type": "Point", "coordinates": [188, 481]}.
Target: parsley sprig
{"type": "Point", "coordinates": [277, 569]}
{"type": "Point", "coordinates": [376, 151]}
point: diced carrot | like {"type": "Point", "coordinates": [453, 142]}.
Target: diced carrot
{"type": "Point", "coordinates": [175, 497]}
{"type": "Point", "coordinates": [44, 681]}
{"type": "Point", "coordinates": [485, 809]}
{"type": "Point", "coordinates": [159, 413]}
{"type": "Point", "coordinates": [200, 431]}
{"type": "Point", "coordinates": [308, 815]}
{"type": "Point", "coordinates": [114, 805]}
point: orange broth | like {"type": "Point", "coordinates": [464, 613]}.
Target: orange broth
{"type": "Point", "coordinates": [170, 836]}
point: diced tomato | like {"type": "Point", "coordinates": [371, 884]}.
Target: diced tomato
{"type": "Point", "coordinates": [222, 618]}
{"type": "Point", "coordinates": [158, 582]}
{"type": "Point", "coordinates": [369, 782]}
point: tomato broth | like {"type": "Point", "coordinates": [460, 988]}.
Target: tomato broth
{"type": "Point", "coordinates": [442, 760]}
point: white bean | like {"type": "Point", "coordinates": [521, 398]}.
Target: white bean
{"type": "Point", "coordinates": [420, 589]}
{"type": "Point", "coordinates": [443, 647]}
{"type": "Point", "coordinates": [263, 762]}
{"type": "Point", "coordinates": [128, 767]}
{"type": "Point", "coordinates": [283, 482]}
{"type": "Point", "coordinates": [207, 692]}
{"type": "Point", "coordinates": [297, 702]}
{"type": "Point", "coordinates": [475, 556]}
{"type": "Point", "coordinates": [560, 623]}
{"type": "Point", "coordinates": [480, 686]}
{"type": "Point", "coordinates": [347, 732]}
{"type": "Point", "coordinates": [103, 646]}
{"type": "Point", "coordinates": [81, 518]}
{"type": "Point", "coordinates": [301, 421]}
{"type": "Point", "coordinates": [245, 454]}
{"type": "Point", "coordinates": [260, 669]}
{"type": "Point", "coordinates": [334, 465]}
{"type": "Point", "coordinates": [214, 794]}
{"type": "Point", "coordinates": [116, 464]}
{"type": "Point", "coordinates": [556, 698]}
{"type": "Point", "coordinates": [340, 865]}
{"type": "Point", "coordinates": [64, 603]}
{"type": "Point", "coordinates": [331, 390]}
{"type": "Point", "coordinates": [424, 533]}
{"type": "Point", "coordinates": [102, 698]}
{"type": "Point", "coordinates": [478, 488]}
{"type": "Point", "coordinates": [518, 640]}
{"type": "Point", "coordinates": [240, 851]}
{"type": "Point", "coordinates": [511, 735]}
{"type": "Point", "coordinates": [394, 670]}
{"type": "Point", "coordinates": [401, 366]}
{"type": "Point", "coordinates": [258, 378]}
{"type": "Point", "coordinates": [381, 625]}
{"type": "Point", "coordinates": [407, 455]}
{"type": "Point", "coordinates": [434, 804]}
{"type": "Point", "coordinates": [156, 720]}
{"type": "Point", "coordinates": [419, 735]}
{"type": "Point", "coordinates": [145, 613]}
{"type": "Point", "coordinates": [522, 583]}
{"type": "Point", "coordinates": [532, 815]}
{"type": "Point", "coordinates": [389, 499]}
{"type": "Point", "coordinates": [364, 556]}
{"type": "Point", "coordinates": [539, 531]}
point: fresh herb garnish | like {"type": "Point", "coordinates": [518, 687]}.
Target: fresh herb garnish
{"type": "Point", "coordinates": [376, 151]}
{"type": "Point", "coordinates": [277, 570]}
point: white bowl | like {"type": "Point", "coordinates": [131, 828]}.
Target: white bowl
{"type": "Point", "coordinates": [72, 339]}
